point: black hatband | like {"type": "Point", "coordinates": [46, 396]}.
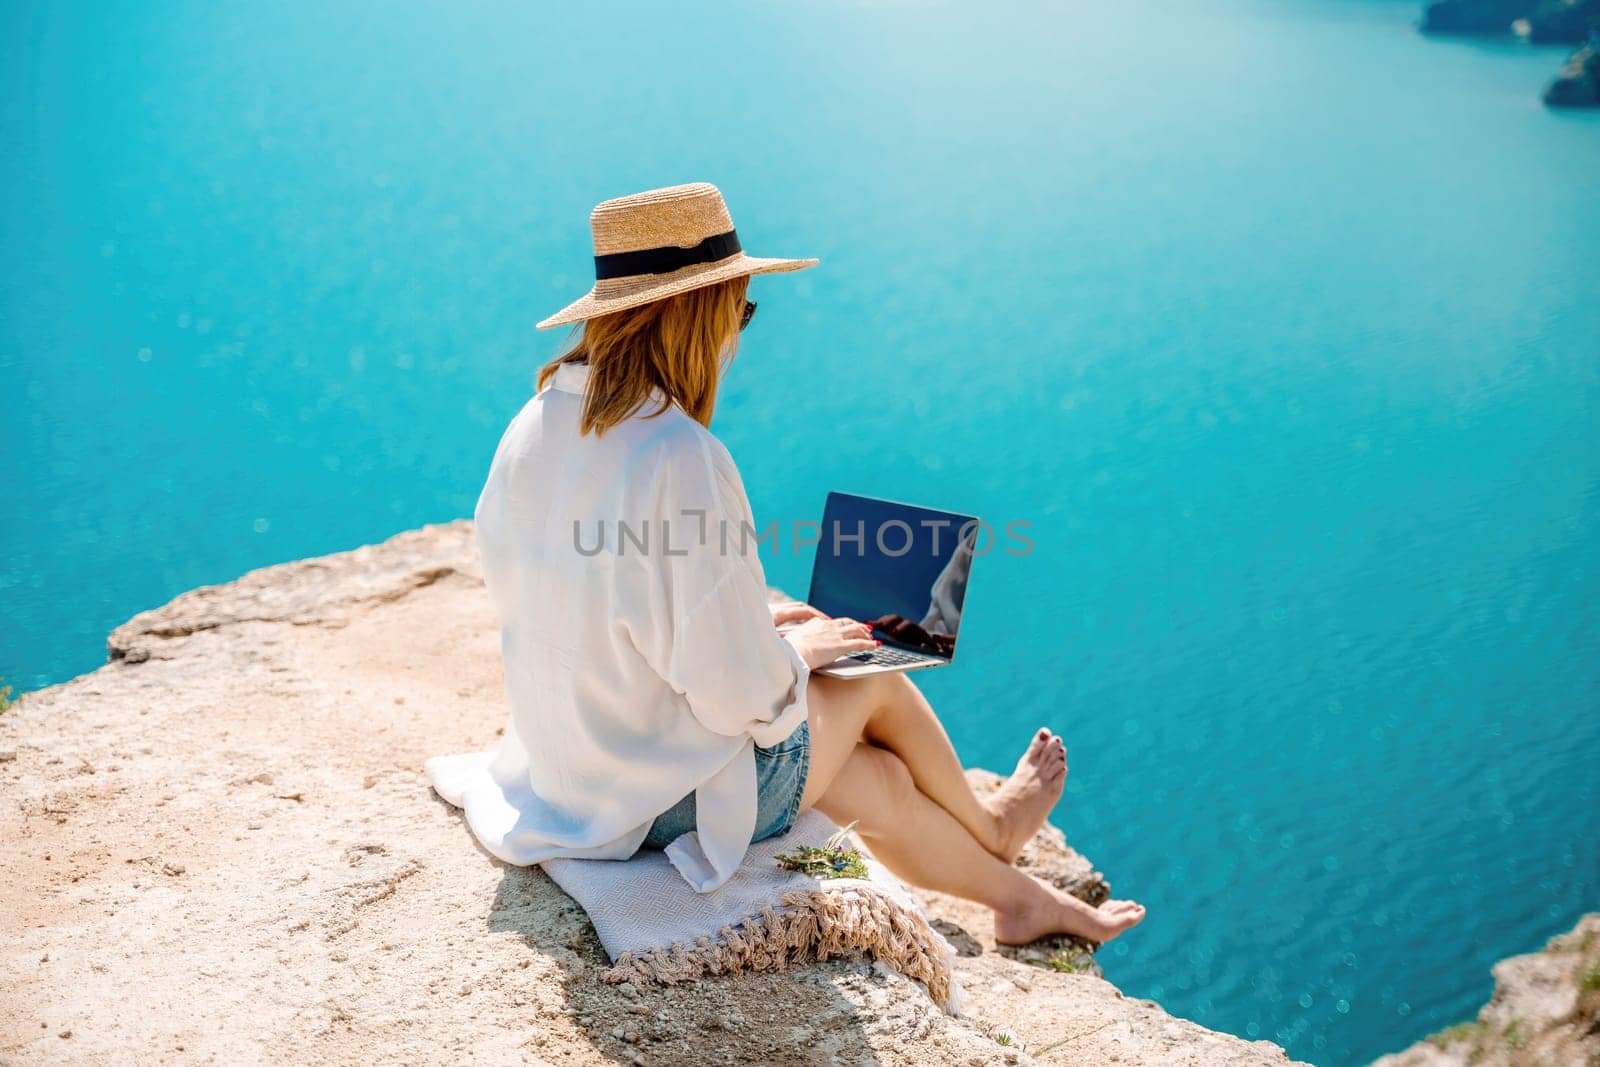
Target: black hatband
{"type": "Point", "coordinates": [665, 259]}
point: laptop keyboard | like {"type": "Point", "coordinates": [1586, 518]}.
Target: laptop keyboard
{"type": "Point", "coordinates": [888, 657]}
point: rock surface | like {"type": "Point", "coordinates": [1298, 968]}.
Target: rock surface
{"type": "Point", "coordinates": [1545, 1010]}
{"type": "Point", "coordinates": [220, 847]}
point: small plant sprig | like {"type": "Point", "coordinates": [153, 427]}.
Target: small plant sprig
{"type": "Point", "coordinates": [1003, 1036]}
{"type": "Point", "coordinates": [834, 859]}
{"type": "Point", "coordinates": [1065, 963]}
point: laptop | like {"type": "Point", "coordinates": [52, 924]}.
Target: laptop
{"type": "Point", "coordinates": [903, 570]}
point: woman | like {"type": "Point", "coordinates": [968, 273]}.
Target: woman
{"type": "Point", "coordinates": [653, 701]}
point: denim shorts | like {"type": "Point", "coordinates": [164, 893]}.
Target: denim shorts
{"type": "Point", "coordinates": [780, 780]}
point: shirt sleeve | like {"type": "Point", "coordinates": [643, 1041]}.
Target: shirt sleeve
{"type": "Point", "coordinates": [706, 628]}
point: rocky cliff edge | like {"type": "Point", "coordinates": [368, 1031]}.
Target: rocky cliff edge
{"type": "Point", "coordinates": [220, 847]}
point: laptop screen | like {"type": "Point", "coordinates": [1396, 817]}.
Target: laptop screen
{"type": "Point", "coordinates": [903, 569]}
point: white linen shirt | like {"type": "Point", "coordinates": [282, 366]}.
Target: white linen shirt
{"type": "Point", "coordinates": [641, 663]}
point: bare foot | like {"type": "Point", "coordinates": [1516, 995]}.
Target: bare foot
{"type": "Point", "coordinates": [1021, 804]}
{"type": "Point", "coordinates": [1052, 911]}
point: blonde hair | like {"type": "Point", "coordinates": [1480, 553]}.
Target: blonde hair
{"type": "Point", "coordinates": [675, 344]}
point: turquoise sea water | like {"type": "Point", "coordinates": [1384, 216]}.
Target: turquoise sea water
{"type": "Point", "coordinates": [1278, 322]}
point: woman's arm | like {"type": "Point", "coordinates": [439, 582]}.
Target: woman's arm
{"type": "Point", "coordinates": [704, 624]}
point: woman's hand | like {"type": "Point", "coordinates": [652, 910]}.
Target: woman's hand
{"type": "Point", "coordinates": [821, 641]}
{"type": "Point", "coordinates": [793, 611]}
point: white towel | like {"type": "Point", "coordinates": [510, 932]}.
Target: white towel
{"type": "Point", "coordinates": [654, 926]}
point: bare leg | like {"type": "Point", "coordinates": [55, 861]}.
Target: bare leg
{"type": "Point", "coordinates": [924, 844]}
{"type": "Point", "coordinates": [889, 711]}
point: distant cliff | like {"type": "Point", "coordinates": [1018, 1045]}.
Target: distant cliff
{"type": "Point", "coordinates": [1545, 1010]}
{"type": "Point", "coordinates": [1578, 84]}
{"type": "Point", "coordinates": [1539, 22]}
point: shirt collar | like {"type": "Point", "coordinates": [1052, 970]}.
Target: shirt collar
{"type": "Point", "coordinates": [574, 378]}
{"type": "Point", "coordinates": [571, 378]}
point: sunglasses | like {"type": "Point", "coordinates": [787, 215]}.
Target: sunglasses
{"type": "Point", "coordinates": [748, 313]}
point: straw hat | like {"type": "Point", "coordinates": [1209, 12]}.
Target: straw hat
{"type": "Point", "coordinates": [659, 243]}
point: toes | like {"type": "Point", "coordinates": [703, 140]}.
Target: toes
{"type": "Point", "coordinates": [1122, 914]}
{"type": "Point", "coordinates": [1040, 747]}
{"type": "Point", "coordinates": [1046, 755]}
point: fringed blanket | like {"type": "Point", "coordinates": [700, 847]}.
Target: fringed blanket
{"type": "Point", "coordinates": [656, 928]}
